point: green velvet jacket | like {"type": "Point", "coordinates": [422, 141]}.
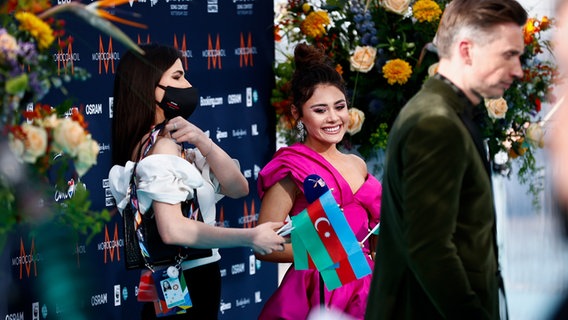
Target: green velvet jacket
{"type": "Point", "coordinates": [436, 256]}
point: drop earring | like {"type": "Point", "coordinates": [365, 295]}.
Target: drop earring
{"type": "Point", "coordinates": [301, 134]}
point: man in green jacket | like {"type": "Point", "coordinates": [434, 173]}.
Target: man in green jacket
{"type": "Point", "coordinates": [437, 252]}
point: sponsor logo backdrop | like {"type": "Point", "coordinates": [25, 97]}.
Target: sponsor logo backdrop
{"type": "Point", "coordinates": [228, 53]}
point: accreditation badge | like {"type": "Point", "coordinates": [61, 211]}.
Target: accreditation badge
{"type": "Point", "coordinates": [172, 288]}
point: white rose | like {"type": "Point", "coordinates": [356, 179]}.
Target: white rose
{"type": "Point", "coordinates": [363, 59]}
{"type": "Point", "coordinates": [50, 122]}
{"type": "Point", "coordinates": [497, 108]}
{"type": "Point", "coordinates": [35, 144]}
{"type": "Point", "coordinates": [17, 146]}
{"type": "Point", "coordinates": [396, 6]}
{"type": "Point", "coordinates": [68, 135]}
{"type": "Point", "coordinates": [356, 119]}
{"type": "Point", "coordinates": [8, 47]}
{"type": "Point", "coordinates": [87, 153]}
{"type": "Point", "coordinates": [535, 135]}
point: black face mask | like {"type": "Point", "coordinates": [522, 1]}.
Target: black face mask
{"type": "Point", "coordinates": [178, 101]}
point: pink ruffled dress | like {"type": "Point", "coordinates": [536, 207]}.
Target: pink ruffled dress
{"type": "Point", "coordinates": [299, 291]}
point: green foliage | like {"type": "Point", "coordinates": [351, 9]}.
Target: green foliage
{"type": "Point", "coordinates": [75, 212]}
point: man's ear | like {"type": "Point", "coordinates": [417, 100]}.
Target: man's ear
{"type": "Point", "coordinates": [464, 50]}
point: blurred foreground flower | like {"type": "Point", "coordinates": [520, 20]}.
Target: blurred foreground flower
{"type": "Point", "coordinates": [42, 145]}
{"type": "Point", "coordinates": [44, 136]}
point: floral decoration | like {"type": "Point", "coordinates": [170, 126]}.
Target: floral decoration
{"type": "Point", "coordinates": [514, 125]}
{"type": "Point", "coordinates": [44, 137]}
{"type": "Point", "coordinates": [377, 46]}
{"type": "Point", "coordinates": [384, 51]}
{"type": "Point", "coordinates": [40, 144]}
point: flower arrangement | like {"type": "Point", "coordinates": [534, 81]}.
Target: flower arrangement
{"type": "Point", "coordinates": [28, 33]}
{"type": "Point", "coordinates": [45, 137]}
{"type": "Point", "coordinates": [513, 125]}
{"type": "Point", "coordinates": [42, 144]}
{"type": "Point", "coordinates": [384, 51]}
{"type": "Point", "coordinates": [377, 46]}
{"type": "Point", "coordinates": [26, 71]}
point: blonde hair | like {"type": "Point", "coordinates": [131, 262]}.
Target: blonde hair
{"type": "Point", "coordinates": [475, 19]}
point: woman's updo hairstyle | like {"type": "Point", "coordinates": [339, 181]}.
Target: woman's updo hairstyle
{"type": "Point", "coordinates": [312, 68]}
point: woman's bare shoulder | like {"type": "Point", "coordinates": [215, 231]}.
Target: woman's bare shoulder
{"type": "Point", "coordinates": [165, 145]}
{"type": "Point", "coordinates": [358, 163]}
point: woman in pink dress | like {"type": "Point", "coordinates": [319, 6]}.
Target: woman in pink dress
{"type": "Point", "coordinates": [321, 113]}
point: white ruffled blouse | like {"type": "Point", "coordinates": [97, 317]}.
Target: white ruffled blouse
{"type": "Point", "coordinates": [170, 179]}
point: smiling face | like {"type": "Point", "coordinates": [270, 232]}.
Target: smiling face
{"type": "Point", "coordinates": [494, 65]}
{"type": "Point", "coordinates": [325, 116]}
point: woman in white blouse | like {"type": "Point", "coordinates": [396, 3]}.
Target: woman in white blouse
{"type": "Point", "coordinates": [152, 100]}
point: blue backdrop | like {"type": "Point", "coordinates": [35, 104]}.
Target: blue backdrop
{"type": "Point", "coordinates": [228, 53]}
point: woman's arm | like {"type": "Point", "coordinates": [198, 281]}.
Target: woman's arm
{"type": "Point", "coordinates": [276, 205]}
{"type": "Point", "coordinates": [174, 228]}
{"type": "Point", "coordinates": [233, 183]}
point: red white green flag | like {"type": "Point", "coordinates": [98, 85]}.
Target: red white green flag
{"type": "Point", "coordinates": [322, 238]}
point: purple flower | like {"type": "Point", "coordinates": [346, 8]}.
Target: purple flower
{"type": "Point", "coordinates": [28, 52]}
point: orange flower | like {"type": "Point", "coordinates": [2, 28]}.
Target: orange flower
{"type": "Point", "coordinates": [33, 6]}
{"type": "Point", "coordinates": [282, 107]}
{"type": "Point", "coordinates": [77, 116]}
{"type": "Point", "coordinates": [426, 11]}
{"type": "Point", "coordinates": [39, 111]}
{"type": "Point", "coordinates": [277, 36]}
{"type": "Point", "coordinates": [518, 148]}
{"type": "Point", "coordinates": [529, 30]}
{"type": "Point", "coordinates": [315, 24]}
{"type": "Point", "coordinates": [397, 71]}
{"type": "Point", "coordinates": [339, 69]}
{"type": "Point", "coordinates": [545, 23]}
{"type": "Point", "coordinates": [39, 30]}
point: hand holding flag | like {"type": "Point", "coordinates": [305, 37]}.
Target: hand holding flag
{"type": "Point", "coordinates": [322, 232]}
{"type": "Point", "coordinates": [285, 229]}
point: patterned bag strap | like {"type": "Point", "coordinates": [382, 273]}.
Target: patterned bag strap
{"type": "Point", "coordinates": [193, 209]}
{"type": "Point", "coordinates": [147, 145]}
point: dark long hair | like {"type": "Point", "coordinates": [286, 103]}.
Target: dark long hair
{"type": "Point", "coordinates": [134, 107]}
{"type": "Point", "coordinates": [312, 68]}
